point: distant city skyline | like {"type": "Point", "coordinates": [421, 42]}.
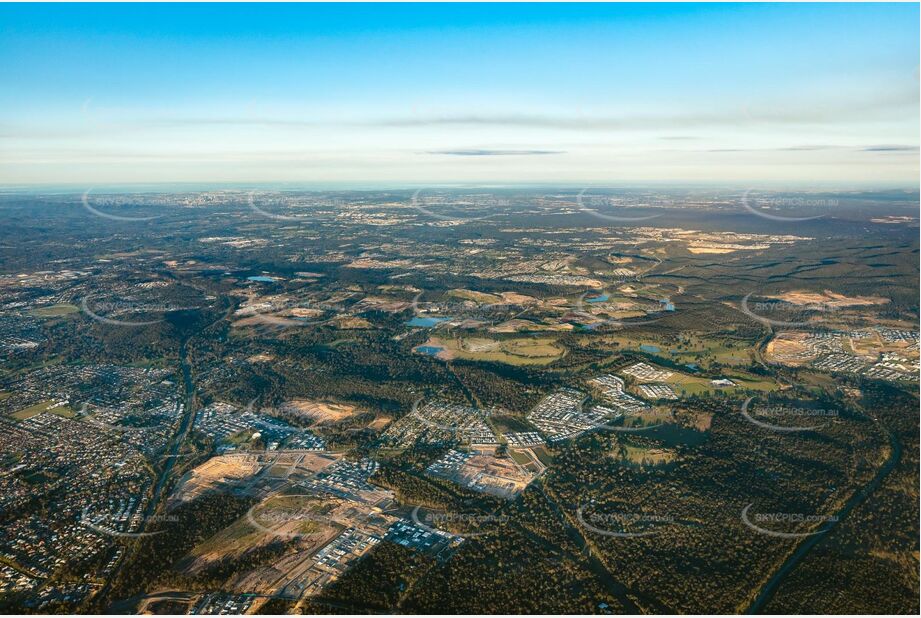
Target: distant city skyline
{"type": "Point", "coordinates": [798, 94]}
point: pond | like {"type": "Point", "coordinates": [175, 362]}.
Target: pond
{"type": "Point", "coordinates": [430, 350]}
{"type": "Point", "coordinates": [675, 435]}
{"type": "Point", "coordinates": [426, 322]}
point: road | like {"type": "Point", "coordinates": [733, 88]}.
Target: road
{"type": "Point", "coordinates": [185, 424]}
{"type": "Point", "coordinates": [624, 595]}
{"type": "Point", "coordinates": [770, 587]}
{"type": "Point", "coordinates": [182, 432]}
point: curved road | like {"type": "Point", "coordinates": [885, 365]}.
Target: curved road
{"type": "Point", "coordinates": [770, 587]}
{"type": "Point", "coordinates": [185, 424]}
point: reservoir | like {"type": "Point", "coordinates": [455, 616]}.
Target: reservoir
{"type": "Point", "coordinates": [430, 350]}
{"type": "Point", "coordinates": [426, 322]}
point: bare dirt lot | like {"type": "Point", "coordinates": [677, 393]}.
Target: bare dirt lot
{"type": "Point", "coordinates": [318, 412]}
{"type": "Point", "coordinates": [829, 299]}
{"type": "Point", "coordinates": [213, 473]}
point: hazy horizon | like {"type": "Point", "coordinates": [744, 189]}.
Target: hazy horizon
{"type": "Point", "coordinates": [417, 95]}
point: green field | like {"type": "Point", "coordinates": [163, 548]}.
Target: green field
{"type": "Point", "coordinates": [54, 311]}
{"type": "Point", "coordinates": [543, 454]}
{"type": "Point", "coordinates": [34, 410]}
{"type": "Point", "coordinates": [689, 385]}
{"type": "Point", "coordinates": [504, 423]}
{"type": "Point", "coordinates": [692, 349]}
{"type": "Point", "coordinates": [478, 297]}
{"type": "Point", "coordinates": [755, 383]}
{"type": "Point", "coordinates": [64, 412]}
{"type": "Point", "coordinates": [517, 351]}
{"type": "Point", "coordinates": [520, 458]}
{"type": "Point", "coordinates": [646, 456]}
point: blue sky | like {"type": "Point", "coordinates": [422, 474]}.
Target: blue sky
{"type": "Point", "coordinates": [422, 94]}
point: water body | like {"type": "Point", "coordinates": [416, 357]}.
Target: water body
{"type": "Point", "coordinates": [426, 322]}
{"type": "Point", "coordinates": [652, 349]}
{"type": "Point", "coordinates": [430, 350]}
{"type": "Point", "coordinates": [261, 279]}
{"type": "Point", "coordinates": [676, 435]}
{"type": "Point", "coordinates": [598, 299]}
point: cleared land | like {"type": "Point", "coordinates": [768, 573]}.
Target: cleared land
{"type": "Point", "coordinates": [43, 406]}
{"type": "Point", "coordinates": [54, 310]}
{"type": "Point", "coordinates": [319, 412]}
{"type": "Point", "coordinates": [518, 351]}
{"type": "Point", "coordinates": [215, 473]}
{"type": "Point", "coordinates": [645, 456]}
{"type": "Point", "coordinates": [829, 299]}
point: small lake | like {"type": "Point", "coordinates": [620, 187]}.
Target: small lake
{"type": "Point", "coordinates": [430, 350]}
{"type": "Point", "coordinates": [652, 349]}
{"type": "Point", "coordinates": [426, 322]}
{"type": "Point", "coordinates": [598, 299]}
{"type": "Point", "coordinates": [261, 279]}
{"type": "Point", "coordinates": [676, 435]}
